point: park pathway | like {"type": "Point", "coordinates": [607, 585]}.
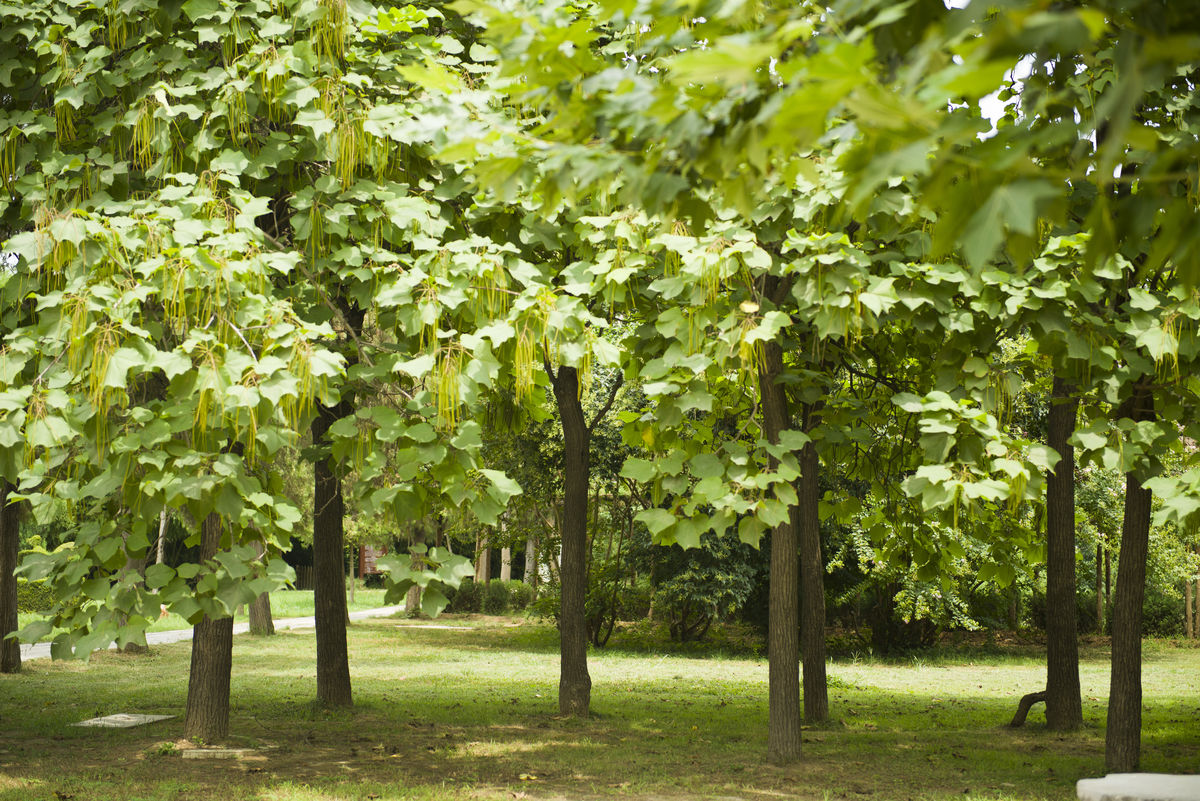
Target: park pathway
{"type": "Point", "coordinates": [41, 650]}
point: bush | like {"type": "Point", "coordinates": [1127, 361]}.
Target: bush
{"type": "Point", "coordinates": [466, 599]}
{"type": "Point", "coordinates": [495, 598]}
{"type": "Point", "coordinates": [520, 595]}
{"type": "Point", "coordinates": [36, 596]}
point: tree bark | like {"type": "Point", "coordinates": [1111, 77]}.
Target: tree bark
{"type": "Point", "coordinates": [10, 541]}
{"type": "Point", "coordinates": [207, 716]}
{"type": "Point", "coordinates": [329, 587]}
{"type": "Point", "coordinates": [1187, 608]}
{"type": "Point", "coordinates": [412, 598]}
{"type": "Point", "coordinates": [483, 564]}
{"type": "Point", "coordinates": [575, 684]}
{"type": "Point", "coordinates": [1100, 610]}
{"type": "Point", "coordinates": [531, 572]}
{"type": "Point", "coordinates": [1064, 706]}
{"type": "Point", "coordinates": [812, 583]}
{"type": "Point", "coordinates": [506, 564]}
{"type": "Point", "coordinates": [1122, 745]}
{"type": "Point", "coordinates": [1196, 613]}
{"type": "Point", "coordinates": [261, 622]}
{"type": "Point", "coordinates": [1027, 702]}
{"type": "Point", "coordinates": [783, 603]}
{"type": "Point", "coordinates": [160, 548]}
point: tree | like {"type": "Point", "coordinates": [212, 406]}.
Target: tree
{"type": "Point", "coordinates": [1064, 709]}
{"type": "Point", "coordinates": [10, 648]}
{"type": "Point", "coordinates": [207, 716]}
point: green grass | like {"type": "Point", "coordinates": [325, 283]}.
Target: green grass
{"type": "Point", "coordinates": [465, 714]}
{"type": "Point", "coordinates": [284, 603]}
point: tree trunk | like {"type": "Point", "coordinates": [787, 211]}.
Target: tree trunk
{"type": "Point", "coordinates": [1122, 749]}
{"type": "Point", "coordinates": [1064, 706]}
{"type": "Point", "coordinates": [261, 622]}
{"type": "Point", "coordinates": [10, 540]}
{"type": "Point", "coordinates": [329, 587]}
{"type": "Point", "coordinates": [575, 684]}
{"type": "Point", "coordinates": [812, 583]}
{"type": "Point", "coordinates": [1195, 632]}
{"type": "Point", "coordinates": [160, 556]}
{"type": "Point", "coordinates": [1196, 613]}
{"type": "Point", "coordinates": [506, 564]}
{"type": "Point", "coordinates": [1100, 610]}
{"type": "Point", "coordinates": [531, 571]}
{"type": "Point", "coordinates": [1027, 702]}
{"type": "Point", "coordinates": [412, 599]}
{"type": "Point", "coordinates": [783, 647]}
{"type": "Point", "coordinates": [1187, 608]}
{"type": "Point", "coordinates": [1107, 582]}
{"type": "Point", "coordinates": [207, 716]}
{"type": "Point", "coordinates": [483, 565]}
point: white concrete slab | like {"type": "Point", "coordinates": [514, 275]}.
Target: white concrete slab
{"type": "Point", "coordinates": [122, 720]}
{"type": "Point", "coordinates": [216, 753]}
{"type": "Point", "coordinates": [1139, 787]}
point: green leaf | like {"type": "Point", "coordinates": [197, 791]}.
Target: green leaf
{"type": "Point", "coordinates": [639, 470]}
{"type": "Point", "coordinates": [656, 520]}
{"type": "Point", "coordinates": [201, 9]}
{"type": "Point", "coordinates": [1159, 342]}
{"type": "Point", "coordinates": [506, 487]}
{"type": "Point", "coordinates": [35, 631]}
{"type": "Point", "coordinates": [158, 576]}
{"type": "Point", "coordinates": [1010, 206]}
{"type": "Point", "coordinates": [119, 365]}
{"type": "Point", "coordinates": [433, 602]}
{"type": "Point", "coordinates": [316, 121]}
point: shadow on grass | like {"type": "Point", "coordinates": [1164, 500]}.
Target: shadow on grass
{"type": "Point", "coordinates": [471, 714]}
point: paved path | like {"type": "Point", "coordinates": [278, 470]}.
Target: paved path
{"type": "Point", "coordinates": [41, 650]}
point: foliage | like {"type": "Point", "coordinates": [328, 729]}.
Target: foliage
{"type": "Point", "coordinates": [34, 596]}
{"type": "Point", "coordinates": [466, 598]}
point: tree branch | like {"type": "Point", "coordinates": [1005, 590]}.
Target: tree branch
{"type": "Point", "coordinates": [612, 397]}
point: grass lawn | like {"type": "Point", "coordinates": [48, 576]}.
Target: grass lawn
{"type": "Point", "coordinates": [471, 713]}
{"type": "Point", "coordinates": [284, 603]}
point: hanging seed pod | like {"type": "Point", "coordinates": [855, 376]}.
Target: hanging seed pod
{"type": "Point", "coordinates": [524, 356]}
{"type": "Point", "coordinates": [64, 122]}
{"type": "Point", "coordinates": [8, 158]}
{"type": "Point", "coordinates": [315, 247]}
{"type": "Point", "coordinates": [146, 130]}
{"type": "Point", "coordinates": [103, 344]}
{"type": "Point", "coordinates": [351, 149]}
{"type": "Point", "coordinates": [271, 77]}
{"type": "Point", "coordinates": [331, 30]}
{"type": "Point", "coordinates": [117, 30]}
{"type": "Point", "coordinates": [75, 310]}
{"type": "Point", "coordinates": [237, 117]}
{"type": "Point", "coordinates": [446, 391]}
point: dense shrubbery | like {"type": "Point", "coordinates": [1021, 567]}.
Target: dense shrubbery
{"type": "Point", "coordinates": [34, 596]}
{"type": "Point", "coordinates": [494, 598]}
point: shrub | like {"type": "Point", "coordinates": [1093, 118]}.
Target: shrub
{"type": "Point", "coordinates": [495, 598]}
{"type": "Point", "coordinates": [467, 598]}
{"type": "Point", "coordinates": [520, 595]}
{"type": "Point", "coordinates": [36, 596]}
